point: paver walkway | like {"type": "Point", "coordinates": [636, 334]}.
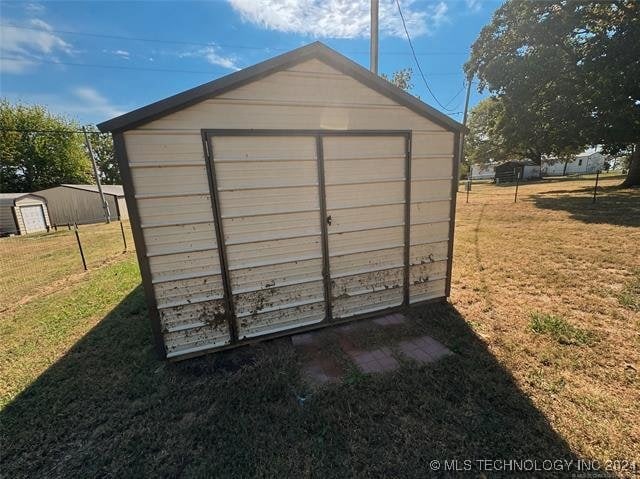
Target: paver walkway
{"type": "Point", "coordinates": [329, 353]}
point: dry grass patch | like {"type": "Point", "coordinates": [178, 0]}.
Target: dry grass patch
{"type": "Point", "coordinates": [551, 284]}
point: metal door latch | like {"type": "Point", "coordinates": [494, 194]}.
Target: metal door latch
{"type": "Point", "coordinates": [329, 220]}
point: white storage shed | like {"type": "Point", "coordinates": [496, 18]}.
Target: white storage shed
{"type": "Point", "coordinates": [81, 204]}
{"type": "Point", "coordinates": [294, 194]}
{"type": "Point", "coordinates": [23, 213]}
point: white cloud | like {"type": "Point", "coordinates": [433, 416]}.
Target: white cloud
{"type": "Point", "coordinates": [212, 55]}
{"type": "Point", "coordinates": [474, 5]}
{"type": "Point", "coordinates": [340, 18]}
{"type": "Point", "coordinates": [89, 100]}
{"type": "Point", "coordinates": [34, 8]}
{"type": "Point", "coordinates": [24, 47]}
{"type": "Point", "coordinates": [119, 53]}
{"type": "Point", "coordinates": [82, 103]}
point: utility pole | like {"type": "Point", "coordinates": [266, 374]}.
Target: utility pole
{"type": "Point", "coordinates": [464, 132]}
{"type": "Point", "coordinates": [374, 37]}
{"type": "Point", "coordinates": [105, 205]}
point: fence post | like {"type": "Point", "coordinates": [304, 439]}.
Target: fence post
{"type": "Point", "coordinates": [515, 199]}
{"type": "Point", "coordinates": [595, 188]}
{"type": "Point", "coordinates": [124, 238]}
{"type": "Point", "coordinates": [84, 262]}
{"type": "Point", "coordinates": [468, 188]}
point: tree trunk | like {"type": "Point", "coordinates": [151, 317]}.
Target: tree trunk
{"type": "Point", "coordinates": [564, 170]}
{"type": "Point", "coordinates": [633, 174]}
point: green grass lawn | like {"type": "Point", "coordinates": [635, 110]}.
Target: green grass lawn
{"type": "Point", "coordinates": [545, 366]}
{"type": "Point", "coordinates": [34, 264]}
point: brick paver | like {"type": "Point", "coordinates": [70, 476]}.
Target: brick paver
{"type": "Point", "coordinates": [390, 319]}
{"type": "Point", "coordinates": [423, 349]}
{"type": "Point", "coordinates": [321, 366]}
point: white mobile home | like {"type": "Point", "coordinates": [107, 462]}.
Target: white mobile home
{"type": "Point", "coordinates": [485, 171]}
{"type": "Point", "coordinates": [297, 193]}
{"type": "Point", "coordinates": [580, 165]}
{"type": "Point", "coordinates": [81, 204]}
{"type": "Point", "coordinates": [23, 213]}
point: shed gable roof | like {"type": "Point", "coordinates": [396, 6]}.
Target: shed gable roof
{"type": "Point", "coordinates": [316, 50]}
{"type": "Point", "coordinates": [113, 190]}
{"type": "Point", "coordinates": [11, 198]}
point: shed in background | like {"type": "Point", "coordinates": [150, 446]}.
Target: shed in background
{"type": "Point", "coordinates": [300, 192]}
{"type": "Point", "coordinates": [81, 204]}
{"type": "Point", "coordinates": [23, 213]}
{"type": "Point", "coordinates": [508, 171]}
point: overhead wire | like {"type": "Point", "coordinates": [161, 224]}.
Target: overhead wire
{"type": "Point", "coordinates": [202, 44]}
{"type": "Point", "coordinates": [415, 58]}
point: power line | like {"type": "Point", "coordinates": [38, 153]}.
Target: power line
{"type": "Point", "coordinates": [415, 58]}
{"type": "Point", "coordinates": [116, 67]}
{"type": "Point", "coordinates": [456, 95]}
{"type": "Point", "coordinates": [130, 67]}
{"type": "Point", "coordinates": [60, 132]}
{"type": "Point", "coordinates": [204, 44]}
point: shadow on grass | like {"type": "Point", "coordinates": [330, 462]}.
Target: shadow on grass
{"type": "Point", "coordinates": [613, 205]}
{"type": "Point", "coordinates": [109, 408]}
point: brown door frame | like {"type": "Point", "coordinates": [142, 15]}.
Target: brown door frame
{"type": "Point", "coordinates": [209, 154]}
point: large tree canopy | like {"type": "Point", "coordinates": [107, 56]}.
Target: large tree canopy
{"type": "Point", "coordinates": [566, 72]}
{"type": "Point", "coordinates": [37, 151]}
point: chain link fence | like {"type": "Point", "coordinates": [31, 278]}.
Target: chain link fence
{"type": "Point", "coordinates": [512, 189]}
{"type": "Point", "coordinates": [32, 265]}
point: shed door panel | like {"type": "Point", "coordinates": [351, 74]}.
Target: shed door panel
{"type": "Point", "coordinates": [33, 217]}
{"type": "Point", "coordinates": [365, 188]}
{"type": "Point", "coordinates": [269, 204]}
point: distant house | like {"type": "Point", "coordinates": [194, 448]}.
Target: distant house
{"type": "Point", "coordinates": [81, 203]}
{"type": "Point", "coordinates": [485, 171]}
{"type": "Point", "coordinates": [23, 213]}
{"type": "Point", "coordinates": [507, 172]}
{"type": "Point", "coordinates": [584, 163]}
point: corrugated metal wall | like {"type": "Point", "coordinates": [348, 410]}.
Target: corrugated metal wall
{"type": "Point", "coordinates": [274, 253]}
{"type": "Point", "coordinates": [278, 178]}
{"type": "Point", "coordinates": [73, 205]}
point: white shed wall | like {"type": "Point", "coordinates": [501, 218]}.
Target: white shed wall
{"type": "Point", "coordinates": [30, 201]}
{"type": "Point", "coordinates": [170, 182]}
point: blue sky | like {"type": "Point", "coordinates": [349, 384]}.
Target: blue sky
{"type": "Point", "coordinates": [94, 60]}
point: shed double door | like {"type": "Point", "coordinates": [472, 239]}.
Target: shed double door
{"type": "Point", "coordinates": [311, 224]}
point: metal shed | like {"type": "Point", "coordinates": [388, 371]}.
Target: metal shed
{"type": "Point", "coordinates": [81, 204]}
{"type": "Point", "coordinates": [509, 171]}
{"type": "Point", "coordinates": [297, 193]}
{"type": "Point", "coordinates": [23, 213]}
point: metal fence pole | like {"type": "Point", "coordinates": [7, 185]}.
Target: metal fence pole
{"type": "Point", "coordinates": [84, 262]}
{"type": "Point", "coordinates": [468, 188]}
{"type": "Point", "coordinates": [124, 238]}
{"type": "Point", "coordinates": [515, 199]}
{"type": "Point", "coordinates": [595, 188]}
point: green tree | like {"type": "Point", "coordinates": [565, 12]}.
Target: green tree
{"type": "Point", "coordinates": [401, 78]}
{"type": "Point", "coordinates": [37, 150]}
{"type": "Point", "coordinates": [485, 140]}
{"type": "Point", "coordinates": [567, 74]}
{"type": "Point", "coordinates": [102, 144]}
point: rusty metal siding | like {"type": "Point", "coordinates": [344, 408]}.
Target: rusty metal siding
{"type": "Point", "coordinates": [358, 282]}
{"type": "Point", "coordinates": [172, 193]}
{"type": "Point", "coordinates": [268, 197]}
{"type": "Point", "coordinates": [270, 244]}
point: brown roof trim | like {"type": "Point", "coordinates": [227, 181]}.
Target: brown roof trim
{"type": "Point", "coordinates": [75, 187]}
{"type": "Point", "coordinates": [317, 50]}
{"type": "Point", "coordinates": [17, 198]}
